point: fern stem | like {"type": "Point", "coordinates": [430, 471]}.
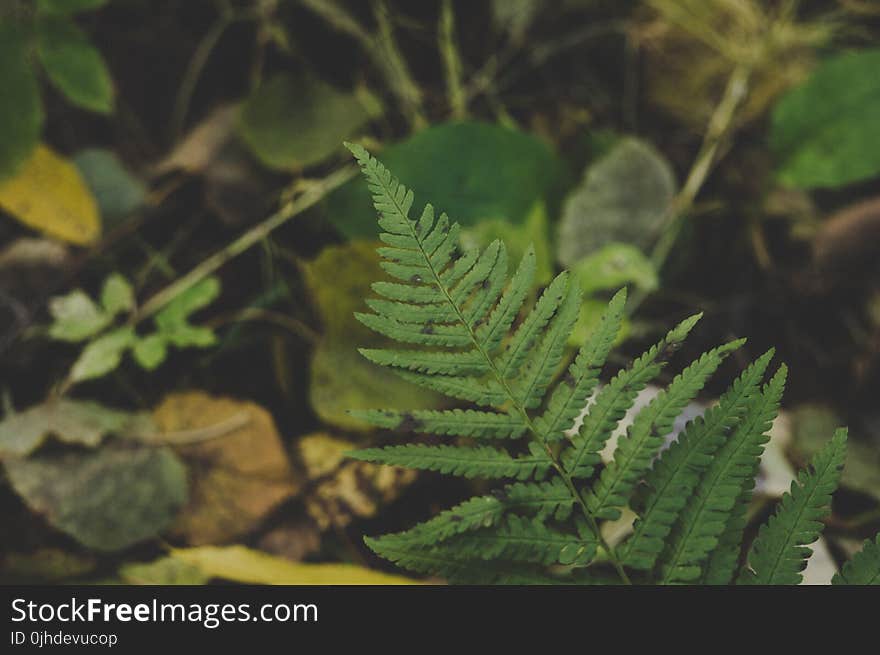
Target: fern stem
{"type": "Point", "coordinates": [518, 406]}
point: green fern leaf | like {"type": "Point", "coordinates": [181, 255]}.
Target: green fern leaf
{"type": "Point", "coordinates": [482, 462]}
{"type": "Point", "coordinates": [707, 512]}
{"type": "Point", "coordinates": [678, 471]}
{"type": "Point", "coordinates": [454, 422]}
{"type": "Point", "coordinates": [570, 396]}
{"type": "Point", "coordinates": [863, 568]}
{"type": "Point", "coordinates": [613, 401]}
{"type": "Point", "coordinates": [780, 551]}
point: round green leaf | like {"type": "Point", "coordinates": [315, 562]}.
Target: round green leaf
{"type": "Point", "coordinates": [622, 197]}
{"type": "Point", "coordinates": [472, 171]}
{"type": "Point", "coordinates": [74, 65]}
{"type": "Point", "coordinates": [292, 122]}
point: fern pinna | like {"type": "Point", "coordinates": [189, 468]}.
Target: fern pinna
{"type": "Point", "coordinates": [542, 524]}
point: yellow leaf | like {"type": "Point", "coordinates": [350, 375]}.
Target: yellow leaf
{"type": "Point", "coordinates": [49, 195]}
{"type": "Point", "coordinates": [342, 488]}
{"type": "Point", "coordinates": [241, 564]}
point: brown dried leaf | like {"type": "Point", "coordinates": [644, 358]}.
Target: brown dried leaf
{"type": "Point", "coordinates": [238, 474]}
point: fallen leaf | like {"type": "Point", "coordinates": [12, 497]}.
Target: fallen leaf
{"type": "Point", "coordinates": [107, 499]}
{"type": "Point", "coordinates": [291, 122]}
{"type": "Point", "coordinates": [203, 144]}
{"type": "Point", "coordinates": [237, 476]}
{"type": "Point", "coordinates": [342, 489]}
{"type": "Point", "coordinates": [338, 280]}
{"type": "Point", "coordinates": [623, 197]}
{"type": "Point", "coordinates": [294, 541]}
{"type": "Point", "coordinates": [80, 422]}
{"type": "Point", "coordinates": [49, 195]}
{"type": "Point", "coordinates": [241, 564]}
{"type": "Point", "coordinates": [116, 190]}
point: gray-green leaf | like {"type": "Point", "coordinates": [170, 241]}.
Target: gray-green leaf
{"type": "Point", "coordinates": [623, 197]}
{"type": "Point", "coordinates": [107, 499]}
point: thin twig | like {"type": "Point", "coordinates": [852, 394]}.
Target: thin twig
{"type": "Point", "coordinates": [451, 61]}
{"type": "Point", "coordinates": [381, 48]}
{"type": "Point", "coordinates": [311, 197]}
{"type": "Point", "coordinates": [718, 130]}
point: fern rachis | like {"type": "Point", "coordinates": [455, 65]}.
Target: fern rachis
{"type": "Point", "coordinates": [458, 312]}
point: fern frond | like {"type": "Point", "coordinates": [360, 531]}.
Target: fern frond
{"type": "Point", "coordinates": [452, 422]}
{"type": "Point", "coordinates": [863, 568]}
{"type": "Point", "coordinates": [544, 360]}
{"type": "Point", "coordinates": [486, 393]}
{"type": "Point", "coordinates": [570, 396]}
{"type": "Point", "coordinates": [477, 462]}
{"type": "Point", "coordinates": [470, 362]}
{"type": "Point", "coordinates": [636, 450]}
{"type": "Point", "coordinates": [675, 475]}
{"type": "Point", "coordinates": [708, 511]}
{"type": "Point", "coordinates": [613, 401]}
{"type": "Point", "coordinates": [540, 499]}
{"type": "Point", "coordinates": [525, 539]}
{"type": "Point", "coordinates": [781, 550]}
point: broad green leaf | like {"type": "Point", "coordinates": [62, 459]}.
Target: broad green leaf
{"type": "Point", "coordinates": [80, 422]}
{"type": "Point", "coordinates": [67, 7]}
{"type": "Point", "coordinates": [623, 197]}
{"type": "Point", "coordinates": [338, 280]}
{"type": "Point", "coordinates": [614, 266]}
{"type": "Point", "coordinates": [116, 190]}
{"type": "Point", "coordinates": [473, 171]}
{"type": "Point", "coordinates": [241, 564]}
{"type": "Point", "coordinates": [150, 351]}
{"type": "Point", "coordinates": [107, 499]}
{"type": "Point", "coordinates": [292, 122]}
{"type": "Point", "coordinates": [75, 317]}
{"type": "Point", "coordinates": [825, 132]}
{"type": "Point", "coordinates": [117, 296]}
{"type": "Point", "coordinates": [48, 194]}
{"type": "Point", "coordinates": [343, 381]}
{"type": "Point", "coordinates": [21, 111]}
{"type": "Point", "coordinates": [102, 355]}
{"type": "Point", "coordinates": [74, 65]}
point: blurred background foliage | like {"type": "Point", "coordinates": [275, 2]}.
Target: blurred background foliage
{"type": "Point", "coordinates": [183, 244]}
